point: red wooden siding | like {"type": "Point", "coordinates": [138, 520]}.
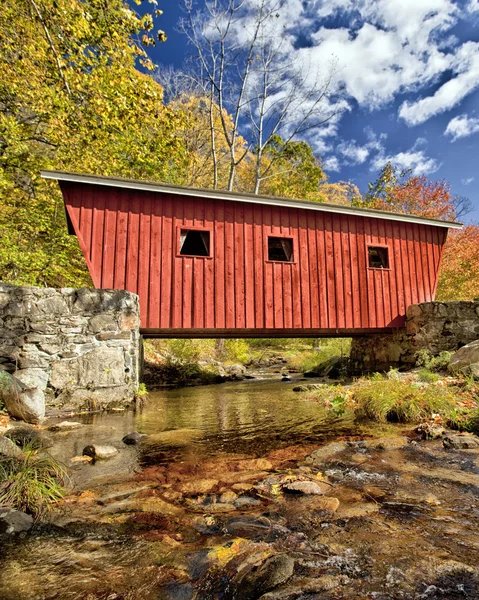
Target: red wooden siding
{"type": "Point", "coordinates": [130, 240]}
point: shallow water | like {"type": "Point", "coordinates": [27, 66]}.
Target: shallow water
{"type": "Point", "coordinates": [156, 521]}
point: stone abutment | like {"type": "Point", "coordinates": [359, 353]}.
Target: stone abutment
{"type": "Point", "coordinates": [67, 348]}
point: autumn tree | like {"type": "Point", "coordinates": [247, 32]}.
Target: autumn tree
{"type": "Point", "coordinates": [459, 279]}
{"type": "Point", "coordinates": [400, 191]}
{"type": "Point", "coordinates": [242, 66]}
{"type": "Point", "coordinates": [71, 98]}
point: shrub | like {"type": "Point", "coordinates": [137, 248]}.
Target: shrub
{"type": "Point", "coordinates": [425, 359]}
{"type": "Point", "coordinates": [473, 422]}
{"type": "Point", "coordinates": [33, 484]}
{"type": "Point", "coordinates": [400, 401]}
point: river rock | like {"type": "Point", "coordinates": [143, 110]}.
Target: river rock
{"type": "Point", "coordinates": [100, 452]}
{"type": "Point", "coordinates": [307, 387]}
{"type": "Point", "coordinates": [236, 371]}
{"type": "Point", "coordinates": [306, 488]}
{"type": "Point", "coordinates": [27, 436]}
{"type": "Point", "coordinates": [198, 486]}
{"type": "Point", "coordinates": [274, 571]}
{"type": "Point", "coordinates": [324, 453]}
{"type": "Point", "coordinates": [465, 441]}
{"type": "Point", "coordinates": [228, 496]}
{"type": "Point", "coordinates": [243, 501]}
{"type": "Point", "coordinates": [466, 360]}
{"type": "Point", "coordinates": [23, 394]}
{"type": "Point", "coordinates": [9, 449]}
{"type": "Point", "coordinates": [66, 426]}
{"type": "Point", "coordinates": [133, 438]}
{"type": "Point", "coordinates": [430, 431]}
{"type": "Point", "coordinates": [14, 521]}
{"type": "Point", "coordinates": [206, 524]}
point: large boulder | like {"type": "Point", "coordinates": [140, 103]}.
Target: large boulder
{"type": "Point", "coordinates": [9, 449]}
{"type": "Point", "coordinates": [14, 521]}
{"type": "Point", "coordinates": [466, 360]}
{"type": "Point", "coordinates": [23, 394]}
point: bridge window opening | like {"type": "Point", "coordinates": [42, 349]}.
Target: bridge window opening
{"type": "Point", "coordinates": [280, 249]}
{"type": "Point", "coordinates": [194, 242]}
{"type": "Point", "coordinates": [378, 257]}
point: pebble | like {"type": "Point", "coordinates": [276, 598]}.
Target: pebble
{"type": "Point", "coordinates": [100, 452]}
{"type": "Point", "coordinates": [65, 426]}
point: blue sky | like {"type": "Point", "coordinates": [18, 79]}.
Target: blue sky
{"type": "Point", "coordinates": [408, 75]}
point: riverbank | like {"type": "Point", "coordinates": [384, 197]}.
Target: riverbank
{"type": "Point", "coordinates": [253, 490]}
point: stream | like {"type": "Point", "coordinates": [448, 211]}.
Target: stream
{"type": "Point", "coordinates": [250, 490]}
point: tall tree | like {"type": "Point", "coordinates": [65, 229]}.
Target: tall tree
{"type": "Point", "coordinates": [71, 98]}
{"type": "Point", "coordinates": [459, 278]}
{"type": "Point", "coordinates": [402, 192]}
{"type": "Point", "coordinates": [243, 67]}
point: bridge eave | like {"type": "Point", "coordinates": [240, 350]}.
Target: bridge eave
{"type": "Point", "coordinates": [263, 333]}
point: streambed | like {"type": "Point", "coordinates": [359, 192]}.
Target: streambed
{"type": "Point", "coordinates": [201, 507]}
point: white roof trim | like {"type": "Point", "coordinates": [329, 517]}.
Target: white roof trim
{"type": "Point", "coordinates": [148, 186]}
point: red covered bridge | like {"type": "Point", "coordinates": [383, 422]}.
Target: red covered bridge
{"type": "Point", "coordinates": [209, 263]}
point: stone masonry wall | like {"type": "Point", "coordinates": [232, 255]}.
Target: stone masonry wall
{"type": "Point", "coordinates": [70, 347]}
{"type": "Point", "coordinates": [432, 326]}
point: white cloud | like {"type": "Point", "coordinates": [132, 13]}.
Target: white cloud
{"type": "Point", "coordinates": [467, 180]}
{"type": "Point", "coordinates": [415, 159]}
{"type": "Point", "coordinates": [462, 126]}
{"type": "Point", "coordinates": [331, 163]}
{"type": "Point", "coordinates": [466, 67]}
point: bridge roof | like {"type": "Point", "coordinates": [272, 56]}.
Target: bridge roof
{"type": "Point", "coordinates": [151, 186]}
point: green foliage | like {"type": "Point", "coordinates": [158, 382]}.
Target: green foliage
{"type": "Point", "coordinates": [425, 359]}
{"type": "Point", "coordinates": [400, 401]}
{"type": "Point", "coordinates": [142, 391]}
{"type": "Point", "coordinates": [427, 376]}
{"type": "Point", "coordinates": [324, 350]}
{"type": "Point", "coordinates": [33, 484]}
{"type": "Point", "coordinates": [71, 98]}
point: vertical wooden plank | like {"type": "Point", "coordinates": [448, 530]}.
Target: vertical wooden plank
{"type": "Point", "coordinates": [425, 264]}
{"type": "Point", "coordinates": [155, 262]}
{"type": "Point", "coordinates": [313, 270]}
{"type": "Point", "coordinates": [304, 269]}
{"type": "Point", "coordinates": [197, 209]}
{"type": "Point", "coordinates": [230, 287]}
{"type": "Point", "coordinates": [296, 287]}
{"type": "Point", "coordinates": [219, 265]}
{"type": "Point", "coordinates": [430, 259]}
{"type": "Point", "coordinates": [176, 279]}
{"type": "Point", "coordinates": [259, 262]}
{"type": "Point", "coordinates": [364, 295]}
{"type": "Point", "coordinates": [168, 257]}
{"type": "Point", "coordinates": [286, 273]}
{"type": "Point", "coordinates": [330, 271]}
{"type": "Point", "coordinates": [338, 272]}
{"type": "Point", "coordinates": [248, 266]}
{"type": "Point", "coordinates": [399, 270]}
{"type": "Point", "coordinates": [418, 262]}
{"type": "Point", "coordinates": [133, 243]}
{"type": "Point", "coordinates": [97, 237]}
{"type": "Point", "coordinates": [144, 255]}
{"type": "Point", "coordinates": [393, 271]}
{"type": "Point", "coordinates": [119, 281]}
{"type": "Point", "coordinates": [322, 270]}
{"type": "Point", "coordinates": [385, 277]}
{"type": "Point", "coordinates": [209, 283]}
{"type": "Point", "coordinates": [86, 218]}
{"type": "Point", "coordinates": [239, 265]}
{"type": "Point", "coordinates": [354, 261]}
{"type": "Point", "coordinates": [406, 263]}
{"type": "Point", "coordinates": [347, 276]}
{"type": "Point", "coordinates": [371, 278]}
{"type": "Point", "coordinates": [109, 238]}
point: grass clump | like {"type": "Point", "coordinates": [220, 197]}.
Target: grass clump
{"type": "Point", "coordinates": [142, 391]}
{"type": "Point", "coordinates": [427, 376]}
{"type": "Point", "coordinates": [33, 484]}
{"type": "Point", "coordinates": [400, 401]}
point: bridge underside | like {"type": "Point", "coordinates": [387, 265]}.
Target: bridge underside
{"type": "Point", "coordinates": [263, 333]}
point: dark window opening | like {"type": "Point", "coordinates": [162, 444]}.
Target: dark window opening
{"type": "Point", "coordinates": [280, 249]}
{"type": "Point", "coordinates": [378, 257]}
{"type": "Point", "coordinates": [194, 243]}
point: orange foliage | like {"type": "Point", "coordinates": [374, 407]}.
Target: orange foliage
{"type": "Point", "coordinates": [459, 279]}
{"type": "Point", "coordinates": [419, 196]}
